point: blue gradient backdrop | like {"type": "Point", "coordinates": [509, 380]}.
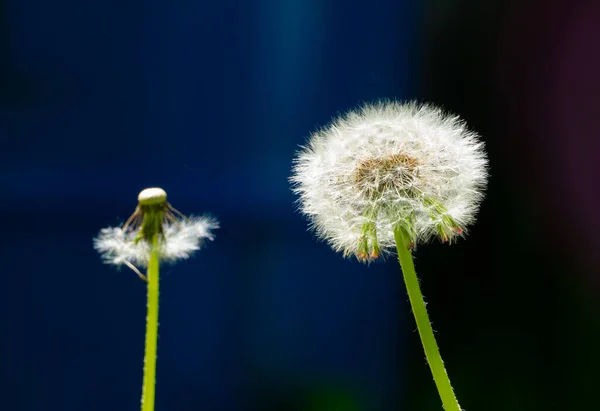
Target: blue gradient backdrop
{"type": "Point", "coordinates": [209, 101]}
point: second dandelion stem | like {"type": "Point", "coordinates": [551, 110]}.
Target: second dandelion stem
{"type": "Point", "coordinates": [432, 352]}
{"type": "Point", "coordinates": [148, 388]}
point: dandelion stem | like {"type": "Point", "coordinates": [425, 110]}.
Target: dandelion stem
{"type": "Point", "coordinates": [148, 388]}
{"type": "Point", "coordinates": [417, 303]}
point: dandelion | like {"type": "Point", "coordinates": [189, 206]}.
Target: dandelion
{"type": "Point", "coordinates": [179, 236]}
{"type": "Point", "coordinates": [155, 231]}
{"type": "Point", "coordinates": [387, 177]}
{"type": "Point", "coordinates": [388, 165]}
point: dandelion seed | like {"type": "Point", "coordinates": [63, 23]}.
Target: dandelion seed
{"type": "Point", "coordinates": [387, 165]}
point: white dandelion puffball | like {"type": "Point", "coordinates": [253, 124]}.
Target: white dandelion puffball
{"type": "Point", "coordinates": [389, 165]}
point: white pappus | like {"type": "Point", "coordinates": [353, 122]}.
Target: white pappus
{"type": "Point", "coordinates": [385, 165]}
{"type": "Point", "coordinates": [178, 236]}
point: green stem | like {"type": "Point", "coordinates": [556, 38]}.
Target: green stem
{"type": "Point", "coordinates": [432, 352]}
{"type": "Point", "coordinates": [151, 329]}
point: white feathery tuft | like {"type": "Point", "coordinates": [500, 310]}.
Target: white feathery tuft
{"type": "Point", "coordinates": [386, 164]}
{"type": "Point", "coordinates": [181, 239]}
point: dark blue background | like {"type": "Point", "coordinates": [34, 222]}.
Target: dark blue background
{"type": "Point", "coordinates": [101, 99]}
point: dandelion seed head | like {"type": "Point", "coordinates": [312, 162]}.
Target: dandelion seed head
{"type": "Point", "coordinates": [178, 236]}
{"type": "Point", "coordinates": [389, 164]}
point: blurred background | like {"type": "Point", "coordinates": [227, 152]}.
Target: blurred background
{"type": "Point", "coordinates": [100, 99]}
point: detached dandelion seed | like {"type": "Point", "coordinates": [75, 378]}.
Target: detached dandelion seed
{"type": "Point", "coordinates": [155, 231]}
{"type": "Point", "coordinates": [387, 177]}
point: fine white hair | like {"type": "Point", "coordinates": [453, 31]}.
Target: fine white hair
{"type": "Point", "coordinates": [390, 163]}
{"type": "Point", "coordinates": [181, 239]}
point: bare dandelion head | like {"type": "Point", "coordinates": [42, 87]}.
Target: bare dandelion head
{"type": "Point", "coordinates": [177, 236]}
{"type": "Point", "coordinates": [389, 165]}
{"type": "Point", "coordinates": [150, 196]}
